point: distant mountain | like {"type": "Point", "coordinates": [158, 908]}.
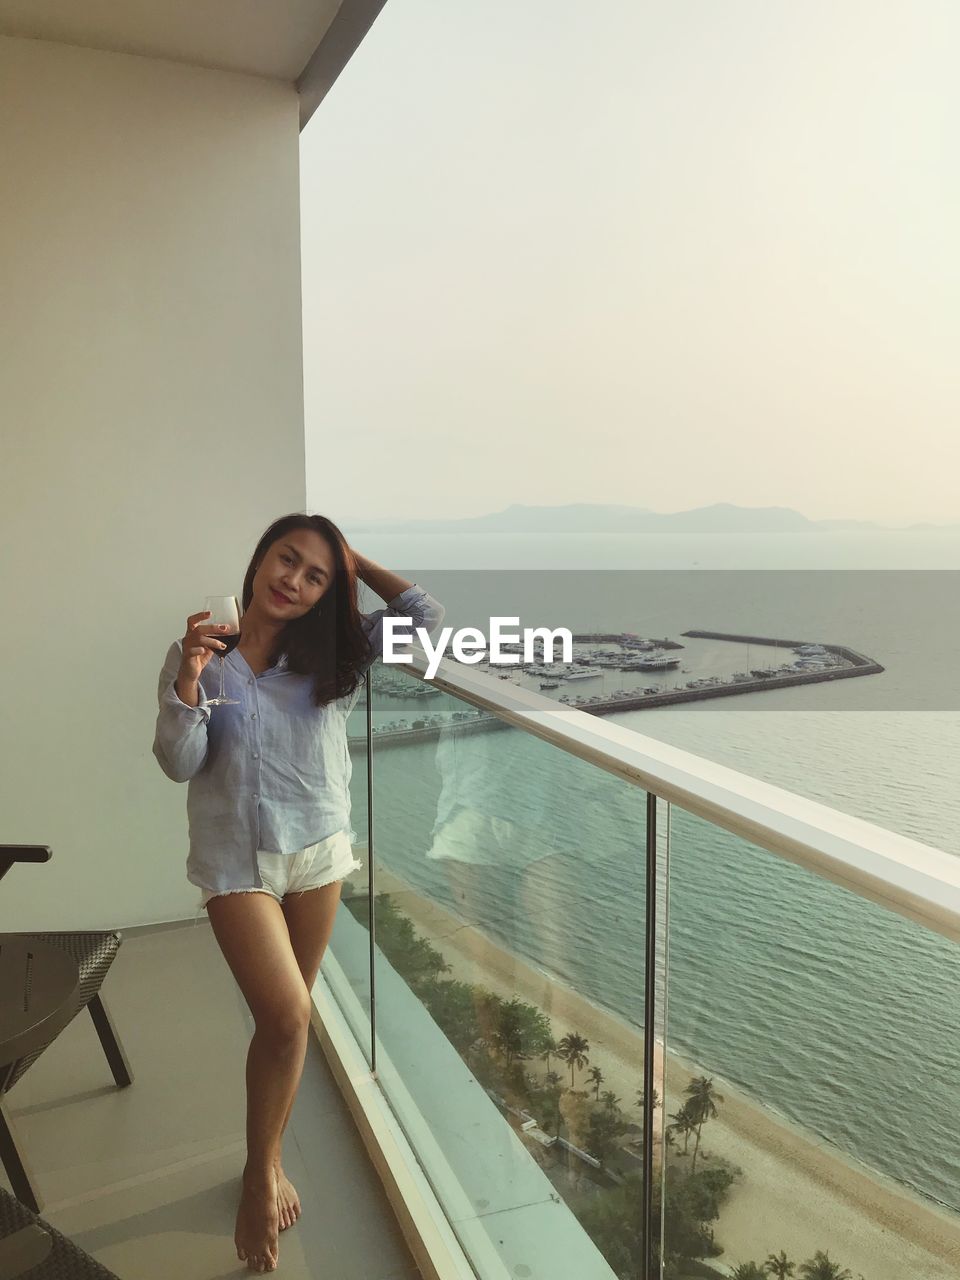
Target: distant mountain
{"type": "Point", "coordinates": [850, 524]}
{"type": "Point", "coordinates": [582, 517]}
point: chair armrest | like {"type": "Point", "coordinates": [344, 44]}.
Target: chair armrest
{"type": "Point", "coordinates": [11, 853]}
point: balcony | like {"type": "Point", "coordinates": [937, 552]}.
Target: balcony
{"type": "Point", "coordinates": [570, 916]}
{"type": "Point", "coordinates": [489, 1018]}
{"type": "Point", "coordinates": [146, 1179]}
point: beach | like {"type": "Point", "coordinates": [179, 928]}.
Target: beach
{"type": "Point", "coordinates": [797, 1193]}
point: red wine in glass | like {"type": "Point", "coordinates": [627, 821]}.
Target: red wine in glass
{"type": "Point", "coordinates": [224, 611]}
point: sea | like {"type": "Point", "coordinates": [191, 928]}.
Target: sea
{"type": "Point", "coordinates": [835, 1014]}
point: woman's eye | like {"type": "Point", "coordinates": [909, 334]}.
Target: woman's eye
{"type": "Point", "coordinates": [287, 559]}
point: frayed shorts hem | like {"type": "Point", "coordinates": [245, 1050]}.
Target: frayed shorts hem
{"type": "Point", "coordinates": [291, 875]}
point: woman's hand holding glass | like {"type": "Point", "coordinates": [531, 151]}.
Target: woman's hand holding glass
{"type": "Point", "coordinates": [213, 631]}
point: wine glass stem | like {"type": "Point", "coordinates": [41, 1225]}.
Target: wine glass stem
{"type": "Point", "coordinates": [221, 677]}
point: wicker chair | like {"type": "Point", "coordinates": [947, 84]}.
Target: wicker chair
{"type": "Point", "coordinates": [31, 1248]}
{"type": "Point", "coordinates": [94, 953]}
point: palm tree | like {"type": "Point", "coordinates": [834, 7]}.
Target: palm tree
{"type": "Point", "coordinates": [779, 1266]}
{"type": "Point", "coordinates": [819, 1267]}
{"type": "Point", "coordinates": [549, 1048]}
{"type": "Point", "coordinates": [552, 1079]}
{"type": "Point", "coordinates": [702, 1103]}
{"type": "Point", "coordinates": [573, 1049]}
{"type": "Point", "coordinates": [596, 1078]}
{"type": "Point", "coordinates": [683, 1124]}
{"type": "Point", "coordinates": [610, 1100]}
{"type": "Point", "coordinates": [748, 1271]}
{"type": "Point", "coordinates": [642, 1102]}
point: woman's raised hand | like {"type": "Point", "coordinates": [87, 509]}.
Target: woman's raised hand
{"type": "Point", "coordinates": [199, 646]}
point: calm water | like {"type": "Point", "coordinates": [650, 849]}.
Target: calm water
{"type": "Point", "coordinates": [827, 1009]}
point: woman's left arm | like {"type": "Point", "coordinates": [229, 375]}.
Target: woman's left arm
{"type": "Point", "coordinates": [403, 600]}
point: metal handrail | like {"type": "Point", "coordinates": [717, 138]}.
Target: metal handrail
{"type": "Point", "coordinates": [912, 879]}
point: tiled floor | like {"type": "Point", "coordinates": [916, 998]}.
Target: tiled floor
{"type": "Point", "coordinates": [147, 1178]}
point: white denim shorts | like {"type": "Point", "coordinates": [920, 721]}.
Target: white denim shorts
{"type": "Point", "coordinates": [287, 873]}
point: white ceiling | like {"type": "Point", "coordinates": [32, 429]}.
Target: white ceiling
{"type": "Point", "coordinates": [261, 37]}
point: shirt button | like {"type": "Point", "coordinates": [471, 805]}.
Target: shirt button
{"type": "Point", "coordinates": [254, 795]}
{"type": "Point", "coordinates": [254, 716]}
{"type": "Point", "coordinates": [256, 756]}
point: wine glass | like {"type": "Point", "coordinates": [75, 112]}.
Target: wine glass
{"type": "Point", "coordinates": [224, 611]}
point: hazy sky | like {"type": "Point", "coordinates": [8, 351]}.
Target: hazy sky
{"type": "Point", "coordinates": [663, 255]}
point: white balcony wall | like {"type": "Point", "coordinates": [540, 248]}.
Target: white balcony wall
{"type": "Point", "coordinates": [152, 407]}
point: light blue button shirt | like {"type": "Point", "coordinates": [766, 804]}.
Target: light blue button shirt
{"type": "Point", "coordinates": [272, 772]}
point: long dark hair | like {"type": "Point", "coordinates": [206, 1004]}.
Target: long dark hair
{"type": "Point", "coordinates": [329, 644]}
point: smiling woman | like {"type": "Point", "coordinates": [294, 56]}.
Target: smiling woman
{"type": "Point", "coordinates": [269, 804]}
{"type": "Point", "coordinates": [300, 598]}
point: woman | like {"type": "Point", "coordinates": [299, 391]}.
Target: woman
{"type": "Point", "coordinates": [269, 805]}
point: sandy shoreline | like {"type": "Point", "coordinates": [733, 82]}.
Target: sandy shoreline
{"type": "Point", "coordinates": [797, 1194]}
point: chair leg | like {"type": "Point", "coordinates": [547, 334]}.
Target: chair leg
{"type": "Point", "coordinates": [111, 1044]}
{"type": "Point", "coordinates": [15, 1164]}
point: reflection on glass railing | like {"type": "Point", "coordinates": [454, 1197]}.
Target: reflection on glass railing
{"type": "Point", "coordinates": [810, 1074]}
{"type": "Point", "coordinates": [349, 976]}
{"type": "Point", "coordinates": [509, 930]}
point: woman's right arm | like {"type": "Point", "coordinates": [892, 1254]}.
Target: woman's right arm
{"type": "Point", "coordinates": [180, 741]}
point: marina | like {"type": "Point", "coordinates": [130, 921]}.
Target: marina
{"type": "Point", "coordinates": [813, 663]}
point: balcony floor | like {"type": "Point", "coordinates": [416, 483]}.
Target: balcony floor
{"type": "Point", "coordinates": [146, 1179]}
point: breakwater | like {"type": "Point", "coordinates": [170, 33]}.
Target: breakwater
{"type": "Point", "coordinates": [858, 660]}
{"type": "Point", "coordinates": [428, 733]}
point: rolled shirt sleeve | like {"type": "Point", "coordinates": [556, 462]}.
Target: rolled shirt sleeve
{"type": "Point", "coordinates": [180, 742]}
{"type": "Point", "coordinates": [414, 603]}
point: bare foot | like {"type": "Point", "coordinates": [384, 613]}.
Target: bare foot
{"type": "Point", "coordinates": [257, 1222]}
{"type": "Point", "coordinates": [288, 1202]}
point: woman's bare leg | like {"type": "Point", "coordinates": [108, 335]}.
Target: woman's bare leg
{"type": "Point", "coordinates": [253, 936]}
{"type": "Point", "coordinates": [309, 916]}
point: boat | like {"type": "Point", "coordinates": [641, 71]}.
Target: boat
{"type": "Point", "coordinates": [656, 662]}
{"type": "Point", "coordinates": [582, 675]}
{"type": "Point", "coordinates": [549, 684]}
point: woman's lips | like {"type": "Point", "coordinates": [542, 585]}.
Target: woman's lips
{"type": "Point", "coordinates": [278, 597]}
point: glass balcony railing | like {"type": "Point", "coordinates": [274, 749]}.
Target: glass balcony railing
{"type": "Point", "coordinates": [518, 936]}
{"type": "Point", "coordinates": [348, 965]}
{"type": "Point", "coordinates": [570, 919]}
{"type": "Point", "coordinates": [808, 1085]}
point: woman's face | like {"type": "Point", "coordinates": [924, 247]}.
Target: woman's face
{"type": "Point", "coordinates": [295, 572]}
